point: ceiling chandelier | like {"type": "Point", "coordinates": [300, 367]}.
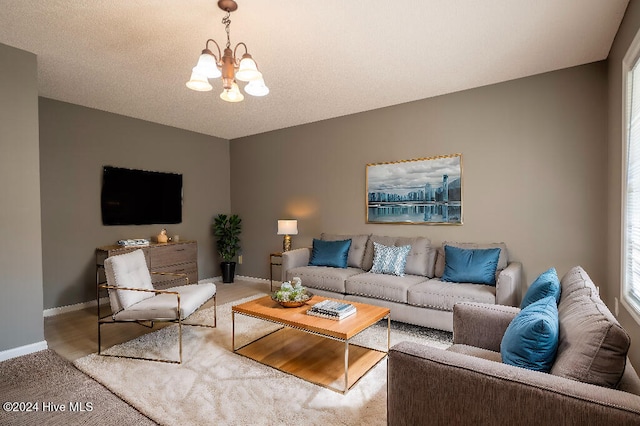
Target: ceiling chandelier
{"type": "Point", "coordinates": [228, 66]}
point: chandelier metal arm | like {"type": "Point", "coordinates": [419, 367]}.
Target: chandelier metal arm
{"type": "Point", "coordinates": [219, 57]}
{"type": "Point", "coordinates": [235, 56]}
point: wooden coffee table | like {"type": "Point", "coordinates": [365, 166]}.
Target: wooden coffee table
{"type": "Point", "coordinates": [314, 349]}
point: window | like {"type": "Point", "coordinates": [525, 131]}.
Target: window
{"type": "Point", "coordinates": [631, 180]}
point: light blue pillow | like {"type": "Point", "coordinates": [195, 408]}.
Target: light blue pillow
{"type": "Point", "coordinates": [389, 259]}
{"type": "Point", "coordinates": [330, 253]}
{"type": "Point", "coordinates": [477, 266]}
{"type": "Point", "coordinates": [547, 284]}
{"type": "Point", "coordinates": [531, 340]}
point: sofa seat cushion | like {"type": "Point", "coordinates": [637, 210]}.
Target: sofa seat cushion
{"type": "Point", "coordinates": [438, 294]}
{"type": "Point", "coordinates": [592, 345]}
{"type": "Point", "coordinates": [386, 287]}
{"type": "Point", "coordinates": [475, 352]}
{"type": "Point", "coordinates": [323, 277]}
{"type": "Point", "coordinates": [421, 259]}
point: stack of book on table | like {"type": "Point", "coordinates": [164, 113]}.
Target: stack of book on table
{"type": "Point", "coordinates": [332, 309]}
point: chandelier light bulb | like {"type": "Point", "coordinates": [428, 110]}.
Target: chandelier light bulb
{"type": "Point", "coordinates": [199, 82]}
{"type": "Point", "coordinates": [207, 65]}
{"type": "Point", "coordinates": [256, 88]}
{"type": "Point", "coordinates": [248, 70]}
{"type": "Point", "coordinates": [232, 95]}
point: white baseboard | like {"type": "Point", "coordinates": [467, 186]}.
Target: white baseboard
{"type": "Point", "coordinates": [23, 350]}
{"type": "Point", "coordinates": [218, 279]}
{"type": "Point", "coordinates": [70, 308]}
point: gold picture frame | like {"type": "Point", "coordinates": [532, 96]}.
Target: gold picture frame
{"type": "Point", "coordinates": [422, 191]}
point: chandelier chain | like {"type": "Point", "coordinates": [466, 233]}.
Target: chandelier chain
{"type": "Point", "coordinates": [227, 21]}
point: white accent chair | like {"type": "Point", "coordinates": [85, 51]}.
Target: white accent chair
{"type": "Point", "coordinates": [134, 299]}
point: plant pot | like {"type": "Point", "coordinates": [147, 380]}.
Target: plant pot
{"type": "Point", "coordinates": [228, 271]}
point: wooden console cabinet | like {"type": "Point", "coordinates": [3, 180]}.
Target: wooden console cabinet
{"type": "Point", "coordinates": [178, 258]}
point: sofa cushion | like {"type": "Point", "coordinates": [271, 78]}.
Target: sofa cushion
{"type": "Point", "coordinates": [531, 340]}
{"type": "Point", "coordinates": [476, 266]}
{"type": "Point", "coordinates": [593, 346]}
{"type": "Point", "coordinates": [420, 260]}
{"type": "Point", "coordinates": [475, 351]}
{"type": "Point", "coordinates": [330, 253]}
{"type": "Point", "coordinates": [503, 259]}
{"type": "Point", "coordinates": [323, 277]}
{"type": "Point", "coordinates": [356, 251]}
{"type": "Point", "coordinates": [385, 287]}
{"type": "Point", "coordinates": [547, 284]}
{"type": "Point", "coordinates": [437, 294]}
{"type": "Point", "coordinates": [389, 259]}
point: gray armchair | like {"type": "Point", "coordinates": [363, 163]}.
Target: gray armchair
{"type": "Point", "coordinates": [468, 383]}
{"type": "Point", "coordinates": [133, 299]}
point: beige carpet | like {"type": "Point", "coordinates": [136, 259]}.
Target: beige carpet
{"type": "Point", "coordinates": [216, 386]}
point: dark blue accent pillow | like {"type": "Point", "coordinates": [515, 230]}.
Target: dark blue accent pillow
{"type": "Point", "coordinates": [531, 340]}
{"type": "Point", "coordinates": [330, 253]}
{"type": "Point", "coordinates": [477, 266]}
{"type": "Point", "coordinates": [547, 284]}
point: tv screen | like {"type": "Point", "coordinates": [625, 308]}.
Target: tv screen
{"type": "Point", "coordinates": [140, 197]}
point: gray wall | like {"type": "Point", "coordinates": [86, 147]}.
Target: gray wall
{"type": "Point", "coordinates": [21, 256]}
{"type": "Point", "coordinates": [534, 156]}
{"type": "Point", "coordinates": [628, 29]}
{"type": "Point", "coordinates": [75, 142]}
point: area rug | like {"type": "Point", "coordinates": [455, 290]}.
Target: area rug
{"type": "Point", "coordinates": [213, 385]}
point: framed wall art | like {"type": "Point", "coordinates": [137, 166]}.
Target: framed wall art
{"type": "Point", "coordinates": [425, 191]}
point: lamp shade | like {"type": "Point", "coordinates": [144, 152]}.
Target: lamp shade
{"type": "Point", "coordinates": [232, 95]}
{"type": "Point", "coordinates": [207, 65]}
{"type": "Point", "coordinates": [256, 88]}
{"type": "Point", "coordinates": [248, 70]}
{"type": "Point", "coordinates": [199, 82]}
{"type": "Point", "coordinates": [287, 227]}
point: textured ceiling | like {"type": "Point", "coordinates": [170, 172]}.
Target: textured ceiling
{"type": "Point", "coordinates": [321, 59]}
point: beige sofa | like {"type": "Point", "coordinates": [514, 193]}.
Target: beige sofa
{"type": "Point", "coordinates": [591, 381]}
{"type": "Point", "coordinates": [419, 297]}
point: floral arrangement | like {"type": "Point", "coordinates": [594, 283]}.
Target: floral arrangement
{"type": "Point", "coordinates": [292, 291]}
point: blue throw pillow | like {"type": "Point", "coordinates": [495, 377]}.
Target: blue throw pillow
{"type": "Point", "coordinates": [330, 253]}
{"type": "Point", "coordinates": [389, 259]}
{"type": "Point", "coordinates": [477, 266]}
{"type": "Point", "coordinates": [531, 340]}
{"type": "Point", "coordinates": [547, 284]}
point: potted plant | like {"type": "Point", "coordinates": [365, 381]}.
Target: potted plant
{"type": "Point", "coordinates": [227, 230]}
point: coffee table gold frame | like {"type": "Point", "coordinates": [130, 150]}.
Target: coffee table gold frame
{"type": "Point", "coordinates": [309, 347]}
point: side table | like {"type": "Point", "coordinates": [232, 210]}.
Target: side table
{"type": "Point", "coordinates": [275, 259]}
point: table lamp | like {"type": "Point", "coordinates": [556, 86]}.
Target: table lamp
{"type": "Point", "coordinates": [287, 228]}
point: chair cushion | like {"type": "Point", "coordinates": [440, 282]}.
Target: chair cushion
{"type": "Point", "coordinates": [389, 260]}
{"type": "Point", "coordinates": [330, 253]}
{"type": "Point", "coordinates": [547, 284]}
{"type": "Point", "coordinates": [437, 294]}
{"type": "Point", "coordinates": [476, 266]}
{"type": "Point", "coordinates": [128, 270]}
{"type": "Point", "coordinates": [420, 260]}
{"type": "Point", "coordinates": [385, 287]}
{"type": "Point", "coordinates": [531, 340]}
{"type": "Point", "coordinates": [593, 346]}
{"type": "Point", "coordinates": [323, 277]}
{"type": "Point", "coordinates": [164, 306]}
{"type": "Point", "coordinates": [356, 251]}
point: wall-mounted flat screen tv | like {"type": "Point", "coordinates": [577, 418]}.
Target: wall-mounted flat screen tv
{"type": "Point", "coordinates": [140, 197]}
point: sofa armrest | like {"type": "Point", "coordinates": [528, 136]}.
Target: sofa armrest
{"type": "Point", "coordinates": [481, 324]}
{"type": "Point", "coordinates": [508, 285]}
{"type": "Point", "coordinates": [433, 386]}
{"type": "Point", "coordinates": [294, 259]}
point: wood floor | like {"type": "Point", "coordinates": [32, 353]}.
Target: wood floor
{"type": "Point", "coordinates": [75, 334]}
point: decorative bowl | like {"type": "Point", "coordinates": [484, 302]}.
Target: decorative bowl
{"type": "Point", "coordinates": [292, 304]}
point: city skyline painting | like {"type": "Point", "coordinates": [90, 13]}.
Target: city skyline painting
{"type": "Point", "coordinates": [421, 191]}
